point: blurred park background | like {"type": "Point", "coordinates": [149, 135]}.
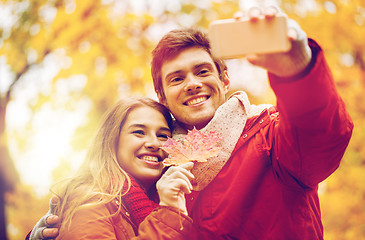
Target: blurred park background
{"type": "Point", "coordinates": [63, 62]}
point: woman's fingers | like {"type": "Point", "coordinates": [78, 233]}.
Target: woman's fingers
{"type": "Point", "coordinates": [176, 178]}
{"type": "Point", "coordinates": [184, 169]}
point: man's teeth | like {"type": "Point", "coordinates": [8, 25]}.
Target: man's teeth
{"type": "Point", "coordinates": [150, 158]}
{"type": "Point", "coordinates": [196, 100]}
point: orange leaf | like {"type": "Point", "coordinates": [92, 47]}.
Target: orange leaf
{"type": "Point", "coordinates": [195, 146]}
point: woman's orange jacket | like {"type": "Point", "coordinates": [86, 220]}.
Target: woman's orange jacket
{"type": "Point", "coordinates": [97, 223]}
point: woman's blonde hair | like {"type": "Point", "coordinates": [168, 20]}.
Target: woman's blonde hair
{"type": "Point", "coordinates": [100, 179]}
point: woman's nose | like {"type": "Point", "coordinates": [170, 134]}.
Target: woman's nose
{"type": "Point", "coordinates": [152, 142]}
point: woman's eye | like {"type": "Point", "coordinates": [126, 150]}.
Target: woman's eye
{"type": "Point", "coordinates": [163, 136]}
{"type": "Point", "coordinates": [138, 132]}
{"type": "Point", "coordinates": [176, 79]}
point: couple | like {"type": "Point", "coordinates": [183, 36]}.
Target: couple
{"type": "Point", "coordinates": [264, 182]}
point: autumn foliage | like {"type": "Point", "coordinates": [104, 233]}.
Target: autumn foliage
{"type": "Point", "coordinates": [194, 147]}
{"type": "Point", "coordinates": [82, 55]}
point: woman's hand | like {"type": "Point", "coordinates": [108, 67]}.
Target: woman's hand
{"type": "Point", "coordinates": [174, 184]}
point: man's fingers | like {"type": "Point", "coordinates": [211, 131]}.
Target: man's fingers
{"type": "Point", "coordinates": [254, 13]}
{"type": "Point", "coordinates": [295, 32]}
{"type": "Point", "coordinates": [50, 232]}
{"type": "Point", "coordinates": [292, 34]}
{"type": "Point", "coordinates": [253, 58]}
{"type": "Point", "coordinates": [42, 229]}
{"type": "Point", "coordinates": [257, 12]}
{"type": "Point", "coordinates": [52, 220]}
{"type": "Point", "coordinates": [239, 15]}
{"type": "Point", "coordinates": [54, 199]}
{"type": "Point", "coordinates": [271, 12]}
{"type": "Point", "coordinates": [53, 204]}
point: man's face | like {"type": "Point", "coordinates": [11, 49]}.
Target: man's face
{"type": "Point", "coordinates": [192, 87]}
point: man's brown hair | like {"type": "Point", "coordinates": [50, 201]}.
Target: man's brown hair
{"type": "Point", "coordinates": [172, 44]}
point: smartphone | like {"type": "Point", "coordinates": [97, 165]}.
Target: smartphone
{"type": "Point", "coordinates": [231, 38]}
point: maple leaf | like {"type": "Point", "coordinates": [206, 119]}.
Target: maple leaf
{"type": "Point", "coordinates": [195, 146]}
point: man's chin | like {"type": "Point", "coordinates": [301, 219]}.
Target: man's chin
{"type": "Point", "coordinates": [198, 123]}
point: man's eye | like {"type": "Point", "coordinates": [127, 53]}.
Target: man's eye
{"type": "Point", "coordinates": [203, 72]}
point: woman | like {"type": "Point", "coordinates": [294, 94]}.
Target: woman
{"type": "Point", "coordinates": [113, 195]}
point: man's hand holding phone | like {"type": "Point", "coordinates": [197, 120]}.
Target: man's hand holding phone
{"type": "Point", "coordinates": [267, 38]}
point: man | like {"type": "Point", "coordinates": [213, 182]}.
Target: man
{"type": "Point", "coordinates": [263, 185]}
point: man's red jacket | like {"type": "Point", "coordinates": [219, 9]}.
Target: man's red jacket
{"type": "Point", "coordinates": [268, 188]}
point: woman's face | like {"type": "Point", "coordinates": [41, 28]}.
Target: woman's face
{"type": "Point", "coordinates": [139, 153]}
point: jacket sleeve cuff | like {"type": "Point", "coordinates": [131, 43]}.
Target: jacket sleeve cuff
{"type": "Point", "coordinates": [174, 219]}
{"type": "Point", "coordinates": [316, 49]}
{"type": "Point", "coordinates": [312, 91]}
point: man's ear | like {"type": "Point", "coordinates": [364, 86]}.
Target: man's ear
{"type": "Point", "coordinates": [162, 100]}
{"type": "Point", "coordinates": [226, 81]}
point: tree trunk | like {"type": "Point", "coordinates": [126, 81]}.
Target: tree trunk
{"type": "Point", "coordinates": [9, 177]}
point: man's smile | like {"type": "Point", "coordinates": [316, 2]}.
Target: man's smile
{"type": "Point", "coordinates": [196, 100]}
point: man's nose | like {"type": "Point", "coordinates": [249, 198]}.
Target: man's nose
{"type": "Point", "coordinates": [192, 83]}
